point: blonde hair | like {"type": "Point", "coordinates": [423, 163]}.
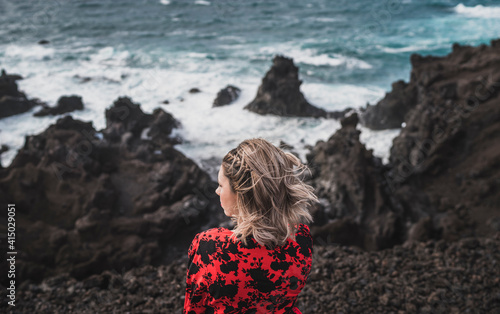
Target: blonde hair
{"type": "Point", "coordinates": [271, 198]}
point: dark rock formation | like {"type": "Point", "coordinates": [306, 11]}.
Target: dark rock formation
{"type": "Point", "coordinates": [85, 203]}
{"type": "Point", "coordinates": [434, 80]}
{"type": "Point", "coordinates": [194, 90]}
{"type": "Point", "coordinates": [362, 211]}
{"type": "Point", "coordinates": [339, 114]}
{"type": "Point", "coordinates": [280, 94]}
{"type": "Point", "coordinates": [226, 96]}
{"type": "Point", "coordinates": [390, 112]}
{"type": "Point", "coordinates": [43, 42]}
{"type": "Point", "coordinates": [446, 161]}
{"type": "Point", "coordinates": [442, 180]}
{"type": "Point", "coordinates": [65, 104]}
{"type": "Point", "coordinates": [12, 101]}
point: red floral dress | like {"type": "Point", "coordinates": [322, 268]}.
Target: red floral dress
{"type": "Point", "coordinates": [225, 276]}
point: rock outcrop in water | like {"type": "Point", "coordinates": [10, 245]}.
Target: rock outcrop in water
{"type": "Point", "coordinates": [279, 93]}
{"type": "Point", "coordinates": [12, 101]}
{"type": "Point", "coordinates": [87, 202]}
{"type": "Point", "coordinates": [226, 96]}
{"type": "Point", "coordinates": [65, 104]}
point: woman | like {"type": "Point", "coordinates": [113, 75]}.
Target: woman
{"type": "Point", "coordinates": [262, 264]}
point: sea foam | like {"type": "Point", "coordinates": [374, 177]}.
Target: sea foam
{"type": "Point", "coordinates": [478, 11]}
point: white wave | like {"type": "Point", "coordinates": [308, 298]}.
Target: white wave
{"type": "Point", "coordinates": [311, 57]}
{"type": "Point", "coordinates": [165, 2]}
{"type": "Point", "coordinates": [109, 56]}
{"type": "Point", "coordinates": [379, 141]}
{"type": "Point", "coordinates": [197, 55]}
{"type": "Point", "coordinates": [208, 132]}
{"type": "Point", "coordinates": [327, 19]}
{"type": "Point", "coordinates": [31, 52]}
{"type": "Point", "coordinates": [202, 2]}
{"type": "Point", "coordinates": [410, 48]}
{"type": "Point", "coordinates": [478, 11]}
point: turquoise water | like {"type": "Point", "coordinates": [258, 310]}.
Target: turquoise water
{"type": "Point", "coordinates": [349, 53]}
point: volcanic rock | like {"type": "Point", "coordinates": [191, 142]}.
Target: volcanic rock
{"type": "Point", "coordinates": [279, 93]}
{"type": "Point", "coordinates": [446, 161]}
{"type": "Point", "coordinates": [390, 112]}
{"type": "Point", "coordinates": [226, 96]}
{"type": "Point", "coordinates": [362, 210]}
{"type": "Point", "coordinates": [12, 101]}
{"type": "Point", "coordinates": [86, 204]}
{"type": "Point", "coordinates": [64, 104]}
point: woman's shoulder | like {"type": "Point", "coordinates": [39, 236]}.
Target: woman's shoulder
{"type": "Point", "coordinates": [209, 237]}
{"type": "Point", "coordinates": [304, 240]}
{"type": "Point", "coordinates": [213, 234]}
{"type": "Point", "coordinates": [303, 230]}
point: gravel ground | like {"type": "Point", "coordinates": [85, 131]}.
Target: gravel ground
{"type": "Point", "coordinates": [423, 277]}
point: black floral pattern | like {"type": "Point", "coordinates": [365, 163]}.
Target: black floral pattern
{"type": "Point", "coordinates": [225, 276]}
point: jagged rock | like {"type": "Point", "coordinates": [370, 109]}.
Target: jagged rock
{"type": "Point", "coordinates": [226, 96]}
{"type": "Point", "coordinates": [448, 151]}
{"type": "Point", "coordinates": [351, 178]}
{"type": "Point", "coordinates": [8, 85]}
{"type": "Point", "coordinates": [12, 101]}
{"type": "Point", "coordinates": [285, 146]}
{"type": "Point", "coordinates": [279, 93]}
{"type": "Point", "coordinates": [140, 133]}
{"type": "Point", "coordinates": [339, 114]}
{"type": "Point", "coordinates": [350, 121]}
{"type": "Point", "coordinates": [85, 201]}
{"type": "Point", "coordinates": [10, 106]}
{"type": "Point", "coordinates": [390, 112]}
{"type": "Point", "coordinates": [64, 104]}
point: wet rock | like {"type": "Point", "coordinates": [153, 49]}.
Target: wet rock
{"type": "Point", "coordinates": [339, 114]}
{"type": "Point", "coordinates": [12, 101]}
{"type": "Point", "coordinates": [285, 146]}
{"type": "Point", "coordinates": [226, 96]}
{"type": "Point", "coordinates": [279, 93]}
{"type": "Point", "coordinates": [65, 104]}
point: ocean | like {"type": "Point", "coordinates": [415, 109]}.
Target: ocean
{"type": "Point", "coordinates": [348, 53]}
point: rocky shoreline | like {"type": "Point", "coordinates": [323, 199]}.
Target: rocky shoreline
{"type": "Point", "coordinates": [105, 216]}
